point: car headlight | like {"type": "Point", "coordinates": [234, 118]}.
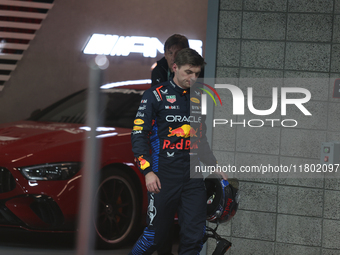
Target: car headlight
{"type": "Point", "coordinates": [53, 171]}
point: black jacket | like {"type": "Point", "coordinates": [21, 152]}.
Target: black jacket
{"type": "Point", "coordinates": [160, 73]}
{"type": "Point", "coordinates": [168, 136]}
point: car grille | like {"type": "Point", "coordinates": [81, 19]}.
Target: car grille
{"type": "Point", "coordinates": [7, 182]}
{"type": "Point", "coordinates": [7, 217]}
{"type": "Point", "coordinates": [47, 210]}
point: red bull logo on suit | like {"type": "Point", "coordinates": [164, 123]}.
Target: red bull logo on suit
{"type": "Point", "coordinates": [184, 131]}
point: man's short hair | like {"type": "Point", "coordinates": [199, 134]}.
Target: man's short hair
{"type": "Point", "coordinates": [176, 39]}
{"type": "Point", "coordinates": [189, 56]}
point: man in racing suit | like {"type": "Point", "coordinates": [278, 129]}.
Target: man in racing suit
{"type": "Point", "coordinates": [167, 126]}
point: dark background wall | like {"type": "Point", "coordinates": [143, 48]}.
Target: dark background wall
{"type": "Point", "coordinates": [282, 43]}
{"type": "Point", "coordinates": [277, 39]}
{"type": "Point", "coordinates": [54, 66]}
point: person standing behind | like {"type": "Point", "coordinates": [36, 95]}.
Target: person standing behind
{"type": "Point", "coordinates": [163, 71]}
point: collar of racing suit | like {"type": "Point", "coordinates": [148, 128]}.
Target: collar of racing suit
{"type": "Point", "coordinates": [178, 89]}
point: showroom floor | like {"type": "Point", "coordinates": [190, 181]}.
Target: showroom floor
{"type": "Point", "coordinates": [19, 242]}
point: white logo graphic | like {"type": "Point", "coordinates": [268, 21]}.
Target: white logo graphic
{"type": "Point", "coordinates": [170, 154]}
{"type": "Point", "coordinates": [116, 45]}
{"type": "Point", "coordinates": [152, 211]}
{"type": "Point", "coordinates": [172, 107]}
{"type": "Point", "coordinates": [238, 100]}
{"type": "Point", "coordinates": [157, 96]}
{"type": "Point", "coordinates": [179, 118]}
{"type": "Point", "coordinates": [140, 114]}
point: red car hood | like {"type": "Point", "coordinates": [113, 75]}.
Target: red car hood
{"type": "Point", "coordinates": [24, 138]}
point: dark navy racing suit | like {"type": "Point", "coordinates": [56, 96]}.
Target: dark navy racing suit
{"type": "Point", "coordinates": [168, 133]}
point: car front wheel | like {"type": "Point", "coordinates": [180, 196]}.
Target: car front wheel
{"type": "Point", "coordinates": [117, 219]}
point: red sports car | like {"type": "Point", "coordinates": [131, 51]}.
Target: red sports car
{"type": "Point", "coordinates": [41, 168]}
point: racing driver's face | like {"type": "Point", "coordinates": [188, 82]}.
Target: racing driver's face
{"type": "Point", "coordinates": [186, 75]}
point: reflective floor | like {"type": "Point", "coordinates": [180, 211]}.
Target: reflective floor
{"type": "Point", "coordinates": [19, 242]}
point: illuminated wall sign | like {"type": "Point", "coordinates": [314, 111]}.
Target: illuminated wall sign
{"type": "Point", "coordinates": [115, 45]}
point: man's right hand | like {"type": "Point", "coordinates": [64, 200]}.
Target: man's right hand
{"type": "Point", "coordinates": [152, 182]}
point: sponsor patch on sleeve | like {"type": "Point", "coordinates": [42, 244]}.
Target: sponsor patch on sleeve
{"type": "Point", "coordinates": [137, 128]}
{"type": "Point", "coordinates": [138, 122]}
{"type": "Point", "coordinates": [143, 163]}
